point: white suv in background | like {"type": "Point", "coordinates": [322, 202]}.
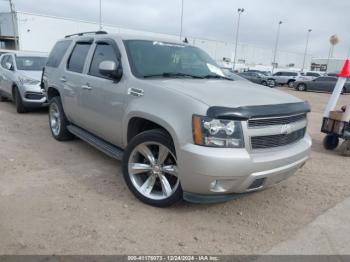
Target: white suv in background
{"type": "Point", "coordinates": [286, 77]}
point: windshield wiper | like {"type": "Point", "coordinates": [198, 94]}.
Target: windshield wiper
{"type": "Point", "coordinates": [217, 77]}
{"type": "Point", "coordinates": [172, 75]}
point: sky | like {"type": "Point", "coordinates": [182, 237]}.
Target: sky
{"type": "Point", "coordinates": [216, 19]}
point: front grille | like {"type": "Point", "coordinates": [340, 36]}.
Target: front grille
{"type": "Point", "coordinates": [260, 122]}
{"type": "Point", "coordinates": [260, 142]}
{"type": "Point", "coordinates": [34, 96]}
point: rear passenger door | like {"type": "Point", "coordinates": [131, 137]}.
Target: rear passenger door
{"type": "Point", "coordinates": [73, 82]}
{"type": "Point", "coordinates": [102, 102]}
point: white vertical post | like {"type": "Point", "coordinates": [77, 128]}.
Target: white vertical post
{"type": "Point", "coordinates": [100, 16]}
{"type": "Point", "coordinates": [332, 103]}
{"type": "Point", "coordinates": [182, 17]}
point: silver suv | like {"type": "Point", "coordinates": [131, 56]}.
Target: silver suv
{"type": "Point", "coordinates": [181, 127]}
{"type": "Point", "coordinates": [20, 74]}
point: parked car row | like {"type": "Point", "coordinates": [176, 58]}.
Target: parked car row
{"type": "Point", "coordinates": [182, 127]}
{"type": "Point", "coordinates": [324, 84]}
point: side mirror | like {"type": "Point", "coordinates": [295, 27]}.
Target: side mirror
{"type": "Point", "coordinates": [9, 66]}
{"type": "Point", "coordinates": [111, 69]}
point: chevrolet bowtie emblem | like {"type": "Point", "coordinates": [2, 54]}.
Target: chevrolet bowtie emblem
{"type": "Point", "coordinates": [286, 129]}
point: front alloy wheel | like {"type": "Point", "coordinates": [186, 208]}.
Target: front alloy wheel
{"type": "Point", "coordinates": [150, 169]}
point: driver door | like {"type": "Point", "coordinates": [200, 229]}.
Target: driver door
{"type": "Point", "coordinates": [7, 75]}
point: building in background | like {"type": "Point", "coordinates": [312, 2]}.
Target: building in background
{"type": "Point", "coordinates": [40, 32]}
{"type": "Point", "coordinates": [332, 65]}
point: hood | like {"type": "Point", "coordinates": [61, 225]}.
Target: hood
{"type": "Point", "coordinates": [226, 93]}
{"type": "Point", "coordinates": [36, 75]}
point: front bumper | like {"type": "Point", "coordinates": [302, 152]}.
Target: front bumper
{"type": "Point", "coordinates": [214, 172]}
{"type": "Point", "coordinates": [33, 96]}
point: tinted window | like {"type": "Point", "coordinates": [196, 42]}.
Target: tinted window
{"type": "Point", "coordinates": [278, 74]}
{"type": "Point", "coordinates": [327, 79]}
{"type": "Point", "coordinates": [289, 74]}
{"type": "Point", "coordinates": [30, 63]}
{"type": "Point", "coordinates": [103, 52]}
{"type": "Point", "coordinates": [77, 58]}
{"type": "Point", "coordinates": [57, 53]}
{"type": "Point", "coordinates": [313, 74]}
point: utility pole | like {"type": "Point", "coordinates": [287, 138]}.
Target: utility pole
{"type": "Point", "coordinates": [14, 23]}
{"type": "Point", "coordinates": [276, 45]}
{"type": "Point", "coordinates": [100, 16]}
{"type": "Point", "coordinates": [305, 53]}
{"type": "Point", "coordinates": [182, 16]}
{"type": "Point", "coordinates": [240, 11]}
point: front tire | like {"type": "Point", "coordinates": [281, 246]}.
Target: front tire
{"type": "Point", "coordinates": [330, 142]}
{"type": "Point", "coordinates": [301, 87]}
{"type": "Point", "coordinates": [150, 169]}
{"type": "Point", "coordinates": [58, 121]}
{"type": "Point", "coordinates": [20, 108]}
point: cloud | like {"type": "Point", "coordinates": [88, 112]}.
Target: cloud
{"type": "Point", "coordinates": [216, 19]}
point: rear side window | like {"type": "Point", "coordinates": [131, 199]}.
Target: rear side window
{"type": "Point", "coordinates": [57, 53]}
{"type": "Point", "coordinates": [313, 74]}
{"type": "Point", "coordinates": [77, 58]}
{"type": "Point", "coordinates": [103, 52]}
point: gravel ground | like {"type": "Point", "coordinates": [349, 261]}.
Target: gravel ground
{"type": "Point", "coordinates": [68, 198]}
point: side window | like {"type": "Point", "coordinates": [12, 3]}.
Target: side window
{"type": "Point", "coordinates": [57, 53]}
{"type": "Point", "coordinates": [103, 52]}
{"type": "Point", "coordinates": [278, 74]}
{"type": "Point", "coordinates": [4, 60]}
{"type": "Point", "coordinates": [78, 56]}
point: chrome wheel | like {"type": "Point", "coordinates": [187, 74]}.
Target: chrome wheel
{"type": "Point", "coordinates": [152, 169]}
{"type": "Point", "coordinates": [55, 119]}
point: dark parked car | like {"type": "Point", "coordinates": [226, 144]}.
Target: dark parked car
{"type": "Point", "coordinates": [229, 74]}
{"type": "Point", "coordinates": [324, 83]}
{"type": "Point", "coordinates": [258, 78]}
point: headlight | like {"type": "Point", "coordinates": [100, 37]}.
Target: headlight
{"type": "Point", "coordinates": [28, 81]}
{"type": "Point", "coordinates": [217, 132]}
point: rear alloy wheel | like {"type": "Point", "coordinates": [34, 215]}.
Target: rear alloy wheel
{"type": "Point", "coordinates": [150, 169]}
{"type": "Point", "coordinates": [20, 108]}
{"type": "Point", "coordinates": [301, 87]}
{"type": "Point", "coordinates": [58, 121]}
{"type": "Point", "coordinates": [291, 84]}
{"type": "Point", "coordinates": [330, 142]}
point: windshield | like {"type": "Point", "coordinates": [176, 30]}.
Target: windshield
{"type": "Point", "coordinates": [162, 59]}
{"type": "Point", "coordinates": [29, 63]}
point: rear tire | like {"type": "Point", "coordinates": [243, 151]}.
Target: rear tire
{"type": "Point", "coordinates": [330, 142]}
{"type": "Point", "coordinates": [150, 169]}
{"type": "Point", "coordinates": [264, 83]}
{"type": "Point", "coordinates": [58, 121]}
{"type": "Point", "coordinates": [301, 87]}
{"type": "Point", "coordinates": [290, 83]}
{"type": "Point", "coordinates": [20, 108]}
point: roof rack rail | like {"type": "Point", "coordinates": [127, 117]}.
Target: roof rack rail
{"type": "Point", "coordinates": [88, 33]}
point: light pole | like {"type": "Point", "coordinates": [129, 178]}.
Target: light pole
{"type": "Point", "coordinates": [240, 11]}
{"type": "Point", "coordinates": [307, 44]}
{"type": "Point", "coordinates": [276, 45]}
{"type": "Point", "coordinates": [100, 16]}
{"type": "Point", "coordinates": [182, 16]}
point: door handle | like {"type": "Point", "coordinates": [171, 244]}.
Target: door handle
{"type": "Point", "coordinates": [63, 79]}
{"type": "Point", "coordinates": [86, 87]}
